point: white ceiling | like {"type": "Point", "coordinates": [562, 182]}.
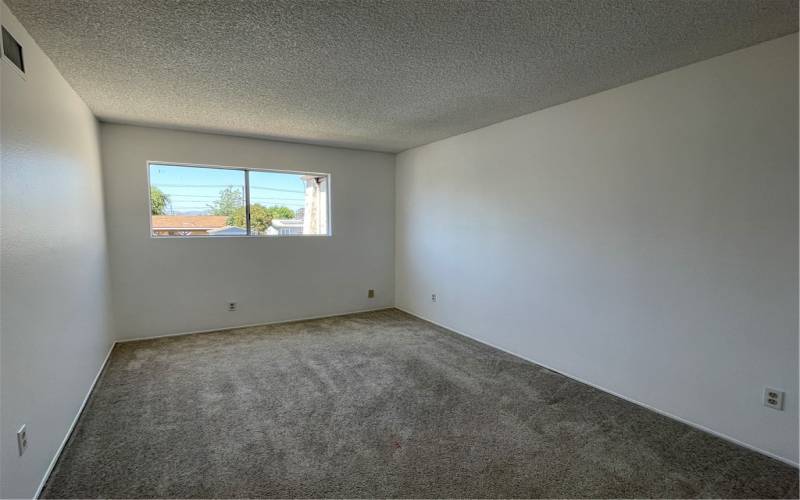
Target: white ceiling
{"type": "Point", "coordinates": [379, 75]}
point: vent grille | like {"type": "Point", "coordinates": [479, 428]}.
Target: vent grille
{"type": "Point", "coordinates": [12, 50]}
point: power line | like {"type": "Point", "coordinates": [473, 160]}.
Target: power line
{"type": "Point", "coordinates": [203, 198]}
{"type": "Point", "coordinates": [263, 200]}
{"type": "Point", "coordinates": [226, 186]}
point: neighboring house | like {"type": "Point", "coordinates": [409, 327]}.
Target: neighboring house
{"type": "Point", "coordinates": [285, 227]}
{"type": "Point", "coordinates": [188, 225]}
{"type": "Point", "coordinates": [315, 211]}
{"type": "Point", "coordinates": [228, 231]}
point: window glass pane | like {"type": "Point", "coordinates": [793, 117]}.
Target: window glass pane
{"type": "Point", "coordinates": [195, 201]}
{"type": "Point", "coordinates": [288, 204]}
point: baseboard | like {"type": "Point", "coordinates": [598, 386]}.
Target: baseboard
{"type": "Point", "coordinates": [72, 425]}
{"type": "Point", "coordinates": [280, 322]}
{"type": "Point", "coordinates": [621, 396]}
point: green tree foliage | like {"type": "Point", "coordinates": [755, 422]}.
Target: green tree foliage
{"type": "Point", "coordinates": [260, 217]}
{"type": "Point", "coordinates": [229, 202]}
{"type": "Point", "coordinates": [158, 201]}
{"type": "Point", "coordinates": [281, 212]}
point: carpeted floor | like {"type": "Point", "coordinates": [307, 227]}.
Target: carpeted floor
{"type": "Point", "coordinates": [378, 405]}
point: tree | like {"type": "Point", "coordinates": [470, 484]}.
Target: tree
{"type": "Point", "coordinates": [229, 202]}
{"type": "Point", "coordinates": [158, 201]}
{"type": "Point", "coordinates": [260, 217]}
{"type": "Point", "coordinates": [281, 212]}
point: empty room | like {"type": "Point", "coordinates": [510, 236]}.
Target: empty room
{"type": "Point", "coordinates": [399, 249]}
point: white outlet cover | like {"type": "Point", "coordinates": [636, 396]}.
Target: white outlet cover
{"type": "Point", "coordinates": [773, 398]}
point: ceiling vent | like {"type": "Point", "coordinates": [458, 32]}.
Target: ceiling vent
{"type": "Point", "coordinates": [12, 50]}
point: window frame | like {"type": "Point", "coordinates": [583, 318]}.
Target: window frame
{"type": "Point", "coordinates": [246, 171]}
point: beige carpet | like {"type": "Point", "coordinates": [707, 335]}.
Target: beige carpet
{"type": "Point", "coordinates": [378, 405]}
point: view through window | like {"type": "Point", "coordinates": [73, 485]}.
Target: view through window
{"type": "Point", "coordinates": [207, 201]}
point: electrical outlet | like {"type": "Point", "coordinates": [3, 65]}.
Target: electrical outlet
{"type": "Point", "coordinates": [773, 398]}
{"type": "Point", "coordinates": [433, 297]}
{"type": "Point", "coordinates": [22, 439]}
{"type": "Point", "coordinates": [232, 306]}
{"type": "Point", "coordinates": [370, 293]}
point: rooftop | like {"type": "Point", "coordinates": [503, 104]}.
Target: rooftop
{"type": "Point", "coordinates": [189, 221]}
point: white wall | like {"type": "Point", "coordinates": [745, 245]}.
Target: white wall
{"type": "Point", "coordinates": [55, 324]}
{"type": "Point", "coordinates": [643, 239]}
{"type": "Point", "coordinates": [163, 286]}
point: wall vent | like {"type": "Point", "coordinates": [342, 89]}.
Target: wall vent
{"type": "Point", "coordinates": [12, 50]}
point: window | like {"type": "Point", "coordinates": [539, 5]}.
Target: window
{"type": "Point", "coordinates": [188, 201]}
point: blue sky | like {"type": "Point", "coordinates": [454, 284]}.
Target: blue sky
{"type": "Point", "coordinates": [193, 189]}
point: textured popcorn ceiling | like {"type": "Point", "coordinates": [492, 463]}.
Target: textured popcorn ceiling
{"type": "Point", "coordinates": [372, 74]}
